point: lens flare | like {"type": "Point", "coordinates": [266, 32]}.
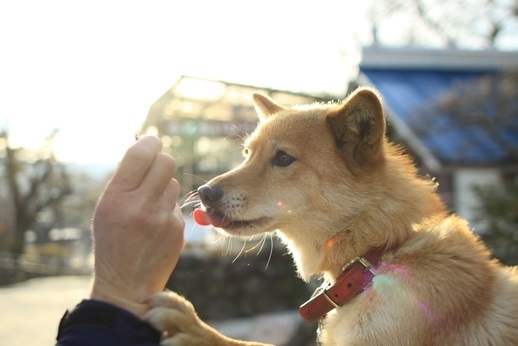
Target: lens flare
{"type": "Point", "coordinates": [390, 285]}
{"type": "Point", "coordinates": [283, 206]}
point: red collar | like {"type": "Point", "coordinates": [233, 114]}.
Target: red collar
{"type": "Point", "coordinates": [356, 276]}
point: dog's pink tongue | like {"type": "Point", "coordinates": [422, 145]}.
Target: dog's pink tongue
{"type": "Point", "coordinates": [201, 217]}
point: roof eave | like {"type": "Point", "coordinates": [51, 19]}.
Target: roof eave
{"type": "Point", "coordinates": [438, 59]}
{"type": "Point", "coordinates": [403, 130]}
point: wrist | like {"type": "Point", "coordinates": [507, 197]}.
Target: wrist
{"type": "Point", "coordinates": [138, 308]}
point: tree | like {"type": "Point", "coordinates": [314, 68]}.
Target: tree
{"type": "Point", "coordinates": [500, 208]}
{"type": "Point", "coordinates": [34, 180]}
{"type": "Point", "coordinates": [454, 23]}
{"type": "Point", "coordinates": [77, 208]}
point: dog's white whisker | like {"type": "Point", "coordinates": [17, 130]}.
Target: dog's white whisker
{"type": "Point", "coordinates": [192, 228]}
{"type": "Point", "coordinates": [219, 239]}
{"type": "Point", "coordinates": [196, 176]}
{"type": "Point", "coordinates": [193, 198]}
{"type": "Point", "coordinates": [256, 245]}
{"type": "Point", "coordinates": [240, 252]}
{"type": "Point", "coordinates": [271, 252]}
{"type": "Point", "coordinates": [263, 241]}
{"type": "Point", "coordinates": [189, 196]}
{"type": "Point", "coordinates": [189, 203]}
{"type": "Point", "coordinates": [229, 247]}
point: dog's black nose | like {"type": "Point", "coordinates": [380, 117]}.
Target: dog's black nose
{"type": "Point", "coordinates": [210, 195]}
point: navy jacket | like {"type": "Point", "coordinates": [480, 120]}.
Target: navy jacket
{"type": "Point", "coordinates": [98, 323]}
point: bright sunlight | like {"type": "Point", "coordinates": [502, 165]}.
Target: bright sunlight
{"type": "Point", "coordinates": [91, 69]}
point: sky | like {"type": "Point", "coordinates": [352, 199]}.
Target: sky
{"type": "Point", "coordinates": [91, 69]}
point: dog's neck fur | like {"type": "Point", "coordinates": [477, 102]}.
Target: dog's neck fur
{"type": "Point", "coordinates": [390, 217]}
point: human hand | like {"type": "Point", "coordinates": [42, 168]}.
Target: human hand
{"type": "Point", "coordinates": [138, 228]}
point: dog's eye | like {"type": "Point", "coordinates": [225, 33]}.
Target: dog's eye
{"type": "Point", "coordinates": [281, 159]}
{"type": "Point", "coordinates": [246, 151]}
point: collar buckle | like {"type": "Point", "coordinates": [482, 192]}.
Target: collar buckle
{"type": "Point", "coordinates": [365, 262]}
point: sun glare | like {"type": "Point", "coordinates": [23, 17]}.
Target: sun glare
{"type": "Point", "coordinates": [91, 70]}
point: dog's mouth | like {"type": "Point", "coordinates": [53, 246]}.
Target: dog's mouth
{"type": "Point", "coordinates": [205, 218]}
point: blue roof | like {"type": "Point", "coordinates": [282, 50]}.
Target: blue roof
{"type": "Point", "coordinates": [406, 91]}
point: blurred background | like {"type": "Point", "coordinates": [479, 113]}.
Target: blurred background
{"type": "Point", "coordinates": [79, 79]}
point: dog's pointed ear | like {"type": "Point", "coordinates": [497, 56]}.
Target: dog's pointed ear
{"type": "Point", "coordinates": [358, 126]}
{"type": "Point", "coordinates": [265, 106]}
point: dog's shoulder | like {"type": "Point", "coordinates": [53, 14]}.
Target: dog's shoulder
{"type": "Point", "coordinates": [442, 276]}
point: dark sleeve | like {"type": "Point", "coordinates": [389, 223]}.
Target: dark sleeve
{"type": "Point", "coordinates": [97, 323]}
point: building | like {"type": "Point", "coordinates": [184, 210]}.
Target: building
{"type": "Point", "coordinates": [202, 123]}
{"type": "Point", "coordinates": [461, 153]}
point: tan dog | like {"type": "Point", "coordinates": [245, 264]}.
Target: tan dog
{"type": "Point", "coordinates": [328, 180]}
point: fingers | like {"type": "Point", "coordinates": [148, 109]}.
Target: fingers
{"type": "Point", "coordinates": [145, 168]}
{"type": "Point", "coordinates": [159, 177]}
{"type": "Point", "coordinates": [180, 222]}
{"type": "Point", "coordinates": [170, 194]}
{"type": "Point", "coordinates": [136, 163]}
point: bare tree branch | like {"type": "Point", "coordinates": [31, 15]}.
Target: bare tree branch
{"type": "Point", "coordinates": [32, 187]}
{"type": "Point", "coordinates": [458, 23]}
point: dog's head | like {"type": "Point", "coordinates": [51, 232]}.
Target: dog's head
{"type": "Point", "coordinates": [305, 168]}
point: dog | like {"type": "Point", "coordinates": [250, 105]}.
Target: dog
{"type": "Point", "coordinates": [397, 267]}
